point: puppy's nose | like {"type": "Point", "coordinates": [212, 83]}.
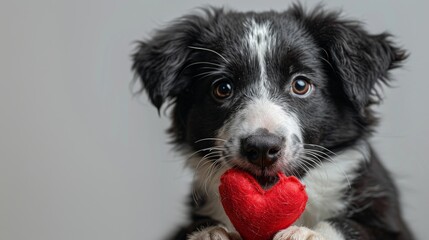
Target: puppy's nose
{"type": "Point", "coordinates": [262, 148]}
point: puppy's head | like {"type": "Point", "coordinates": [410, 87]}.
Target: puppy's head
{"type": "Point", "coordinates": [264, 91]}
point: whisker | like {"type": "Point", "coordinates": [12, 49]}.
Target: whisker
{"type": "Point", "coordinates": [324, 155]}
{"type": "Point", "coordinates": [304, 165]}
{"type": "Point", "coordinates": [209, 50]}
{"type": "Point", "coordinates": [318, 163]}
{"type": "Point", "coordinates": [206, 74]}
{"type": "Point", "coordinates": [329, 159]}
{"type": "Point", "coordinates": [206, 174]}
{"type": "Point", "coordinates": [206, 149]}
{"type": "Point", "coordinates": [210, 68]}
{"type": "Point", "coordinates": [200, 63]}
{"type": "Point", "coordinates": [210, 139]}
{"type": "Point", "coordinates": [211, 171]}
{"type": "Point", "coordinates": [321, 147]}
{"type": "Point", "coordinates": [211, 156]}
{"type": "Point", "coordinates": [205, 158]}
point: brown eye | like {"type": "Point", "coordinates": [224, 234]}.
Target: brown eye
{"type": "Point", "coordinates": [222, 89]}
{"type": "Point", "coordinates": [301, 87]}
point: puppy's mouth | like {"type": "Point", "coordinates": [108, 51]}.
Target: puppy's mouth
{"type": "Point", "coordinates": [267, 182]}
{"type": "Point", "coordinates": [265, 176]}
{"type": "Point", "coordinates": [265, 179]}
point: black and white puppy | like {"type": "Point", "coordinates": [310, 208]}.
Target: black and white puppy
{"type": "Point", "coordinates": [278, 91]}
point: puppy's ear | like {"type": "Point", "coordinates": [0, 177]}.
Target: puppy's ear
{"type": "Point", "coordinates": [360, 60]}
{"type": "Point", "coordinates": [159, 61]}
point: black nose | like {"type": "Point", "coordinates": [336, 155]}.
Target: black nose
{"type": "Point", "coordinates": [262, 148]}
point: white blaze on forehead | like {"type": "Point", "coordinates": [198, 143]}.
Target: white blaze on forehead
{"type": "Point", "coordinates": [260, 42]}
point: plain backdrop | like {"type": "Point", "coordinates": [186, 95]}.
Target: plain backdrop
{"type": "Point", "coordinates": [81, 158]}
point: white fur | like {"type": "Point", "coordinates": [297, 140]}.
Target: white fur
{"type": "Point", "coordinates": [216, 232]}
{"type": "Point", "coordinates": [326, 184]}
{"type": "Point", "coordinates": [207, 181]}
{"type": "Point", "coordinates": [323, 231]}
{"type": "Point", "coordinates": [299, 233]}
{"type": "Point", "coordinates": [260, 42]}
{"type": "Point", "coordinates": [328, 231]}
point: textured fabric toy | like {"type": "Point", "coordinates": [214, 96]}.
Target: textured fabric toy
{"type": "Point", "coordinates": [258, 214]}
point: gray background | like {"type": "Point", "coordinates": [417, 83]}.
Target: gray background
{"type": "Point", "coordinates": [80, 158]}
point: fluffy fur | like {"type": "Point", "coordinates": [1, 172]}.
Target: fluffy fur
{"type": "Point", "coordinates": [320, 136]}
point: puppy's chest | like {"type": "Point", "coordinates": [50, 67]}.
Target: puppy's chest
{"type": "Point", "coordinates": [327, 189]}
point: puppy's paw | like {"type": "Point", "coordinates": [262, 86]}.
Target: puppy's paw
{"type": "Point", "coordinates": [214, 233]}
{"type": "Point", "coordinates": [298, 233]}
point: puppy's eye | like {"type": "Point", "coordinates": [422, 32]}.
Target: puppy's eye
{"type": "Point", "coordinates": [222, 89]}
{"type": "Point", "coordinates": [301, 87]}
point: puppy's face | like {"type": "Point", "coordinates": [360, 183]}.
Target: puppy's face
{"type": "Point", "coordinates": [265, 92]}
{"type": "Point", "coordinates": [257, 95]}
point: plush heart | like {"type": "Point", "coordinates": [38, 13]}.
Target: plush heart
{"type": "Point", "coordinates": [258, 214]}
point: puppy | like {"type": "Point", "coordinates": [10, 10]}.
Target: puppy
{"type": "Point", "coordinates": [278, 91]}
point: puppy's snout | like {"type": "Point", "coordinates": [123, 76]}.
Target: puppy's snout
{"type": "Point", "coordinates": [262, 148]}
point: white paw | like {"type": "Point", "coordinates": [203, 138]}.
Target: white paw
{"type": "Point", "coordinates": [214, 233]}
{"type": "Point", "coordinates": [298, 233]}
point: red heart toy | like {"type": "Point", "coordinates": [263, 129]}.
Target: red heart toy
{"type": "Point", "coordinates": [258, 214]}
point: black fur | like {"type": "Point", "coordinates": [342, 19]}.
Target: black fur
{"type": "Point", "coordinates": [345, 62]}
{"type": "Point", "coordinates": [377, 216]}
